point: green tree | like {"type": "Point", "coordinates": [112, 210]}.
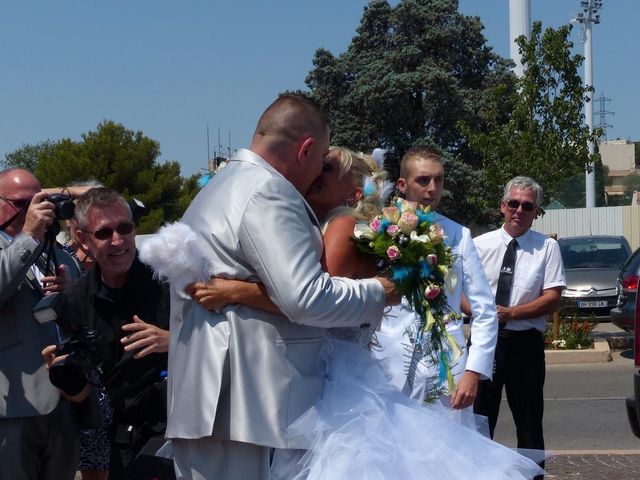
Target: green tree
{"type": "Point", "coordinates": [28, 156]}
{"type": "Point", "coordinates": [545, 137]}
{"type": "Point", "coordinates": [571, 191]}
{"type": "Point", "coordinates": [631, 184]}
{"type": "Point", "coordinates": [410, 76]}
{"type": "Point", "coordinates": [119, 158]}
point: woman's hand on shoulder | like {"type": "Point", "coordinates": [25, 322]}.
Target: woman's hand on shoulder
{"type": "Point", "coordinates": [215, 293]}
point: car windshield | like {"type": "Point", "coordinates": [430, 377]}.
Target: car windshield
{"type": "Point", "coordinates": [593, 252]}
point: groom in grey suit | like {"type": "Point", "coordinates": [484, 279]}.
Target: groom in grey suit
{"type": "Point", "coordinates": [38, 433]}
{"type": "Point", "coordinates": [239, 377]}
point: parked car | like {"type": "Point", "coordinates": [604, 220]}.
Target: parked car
{"type": "Point", "coordinates": [624, 313]}
{"type": "Point", "coordinates": [633, 401]}
{"type": "Point", "coordinates": [592, 264]}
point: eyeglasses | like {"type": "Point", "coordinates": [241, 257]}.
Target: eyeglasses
{"type": "Point", "coordinates": [17, 203]}
{"type": "Point", "coordinates": [107, 232]}
{"type": "Point", "coordinates": [526, 206]}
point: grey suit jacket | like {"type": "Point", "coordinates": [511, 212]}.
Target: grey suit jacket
{"type": "Point", "coordinates": [25, 389]}
{"type": "Point", "coordinates": [244, 374]}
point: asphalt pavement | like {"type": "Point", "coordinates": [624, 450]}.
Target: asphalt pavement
{"type": "Point", "coordinates": [594, 466]}
{"type": "Point", "coordinates": [586, 428]}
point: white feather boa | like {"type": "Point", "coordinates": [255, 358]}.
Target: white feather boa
{"type": "Point", "coordinates": [177, 255]}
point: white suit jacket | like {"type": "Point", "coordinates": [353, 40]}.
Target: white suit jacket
{"type": "Point", "coordinates": [244, 374]}
{"type": "Point", "coordinates": [471, 280]}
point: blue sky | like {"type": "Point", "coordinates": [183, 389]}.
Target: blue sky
{"type": "Point", "coordinates": [169, 68]}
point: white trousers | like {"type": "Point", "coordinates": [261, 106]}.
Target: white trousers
{"type": "Point", "coordinates": [210, 459]}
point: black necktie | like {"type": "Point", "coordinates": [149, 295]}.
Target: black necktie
{"type": "Point", "coordinates": [505, 280]}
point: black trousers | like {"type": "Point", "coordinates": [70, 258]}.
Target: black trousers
{"type": "Point", "coordinates": [520, 369]}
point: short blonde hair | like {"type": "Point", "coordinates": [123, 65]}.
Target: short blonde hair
{"type": "Point", "coordinates": [415, 155]}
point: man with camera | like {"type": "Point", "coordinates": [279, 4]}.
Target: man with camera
{"type": "Point", "coordinates": [117, 318]}
{"type": "Point", "coordinates": [38, 434]}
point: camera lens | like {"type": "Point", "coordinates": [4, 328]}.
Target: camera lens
{"type": "Point", "coordinates": [69, 377]}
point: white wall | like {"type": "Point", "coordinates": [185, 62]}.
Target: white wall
{"type": "Point", "coordinates": [592, 221]}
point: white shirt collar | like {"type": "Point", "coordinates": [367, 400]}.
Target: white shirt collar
{"type": "Point", "coordinates": [522, 239]}
{"type": "Point", "coordinates": [7, 236]}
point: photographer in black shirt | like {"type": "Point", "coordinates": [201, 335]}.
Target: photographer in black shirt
{"type": "Point", "coordinates": [117, 320]}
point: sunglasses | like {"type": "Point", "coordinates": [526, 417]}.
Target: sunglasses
{"type": "Point", "coordinates": [107, 232]}
{"type": "Point", "coordinates": [526, 206]}
{"type": "Point", "coordinates": [17, 203]}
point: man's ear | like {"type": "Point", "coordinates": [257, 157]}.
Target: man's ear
{"type": "Point", "coordinates": [304, 149]}
{"type": "Point", "coordinates": [401, 185]}
{"type": "Point", "coordinates": [82, 239]}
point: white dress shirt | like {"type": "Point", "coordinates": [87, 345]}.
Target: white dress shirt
{"type": "Point", "coordinates": [538, 267]}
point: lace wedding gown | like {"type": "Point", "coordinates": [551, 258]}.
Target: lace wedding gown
{"type": "Point", "coordinates": [363, 427]}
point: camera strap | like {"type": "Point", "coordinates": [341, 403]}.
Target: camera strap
{"type": "Point", "coordinates": [11, 219]}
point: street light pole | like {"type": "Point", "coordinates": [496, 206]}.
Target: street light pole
{"type": "Point", "coordinates": [519, 24]}
{"type": "Point", "coordinates": [587, 18]}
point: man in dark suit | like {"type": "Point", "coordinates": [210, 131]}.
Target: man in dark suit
{"type": "Point", "coordinates": [38, 434]}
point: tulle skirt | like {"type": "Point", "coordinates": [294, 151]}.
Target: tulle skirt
{"type": "Point", "coordinates": [363, 427]}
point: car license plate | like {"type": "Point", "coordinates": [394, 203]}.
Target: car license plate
{"type": "Point", "coordinates": [594, 304]}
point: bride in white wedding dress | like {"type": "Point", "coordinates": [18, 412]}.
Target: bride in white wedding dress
{"type": "Point", "coordinates": [363, 427]}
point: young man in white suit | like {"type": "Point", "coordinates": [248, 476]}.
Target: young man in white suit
{"type": "Point", "coordinates": [240, 376]}
{"type": "Point", "coordinates": [422, 180]}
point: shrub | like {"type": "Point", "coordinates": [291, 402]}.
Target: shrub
{"type": "Point", "coordinates": [574, 333]}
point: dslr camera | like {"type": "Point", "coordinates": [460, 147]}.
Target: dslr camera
{"type": "Point", "coordinates": [85, 352]}
{"type": "Point", "coordinates": [63, 205]}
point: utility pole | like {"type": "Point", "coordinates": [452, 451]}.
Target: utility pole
{"type": "Point", "coordinates": [587, 18]}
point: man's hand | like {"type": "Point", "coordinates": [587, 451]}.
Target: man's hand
{"type": "Point", "coordinates": [40, 215]}
{"type": "Point", "coordinates": [49, 355]}
{"type": "Point", "coordinates": [144, 336]}
{"type": "Point", "coordinates": [215, 293]}
{"type": "Point", "coordinates": [504, 313]}
{"type": "Point", "coordinates": [57, 284]}
{"type": "Point", "coordinates": [466, 391]}
{"type": "Point", "coordinates": [391, 294]}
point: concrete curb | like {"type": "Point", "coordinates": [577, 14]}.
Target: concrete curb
{"type": "Point", "coordinates": [600, 353]}
{"type": "Point", "coordinates": [620, 342]}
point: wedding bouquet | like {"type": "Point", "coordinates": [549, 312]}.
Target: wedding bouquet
{"type": "Point", "coordinates": [410, 250]}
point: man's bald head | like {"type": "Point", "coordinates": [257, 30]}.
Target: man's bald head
{"type": "Point", "coordinates": [290, 118]}
{"type": "Point", "coordinates": [17, 188]}
{"type": "Point", "coordinates": [16, 176]}
{"type": "Point", "coordinates": [292, 135]}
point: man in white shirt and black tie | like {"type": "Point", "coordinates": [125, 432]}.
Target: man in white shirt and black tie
{"type": "Point", "coordinates": [527, 286]}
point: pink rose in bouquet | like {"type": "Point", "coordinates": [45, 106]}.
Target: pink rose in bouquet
{"type": "Point", "coordinates": [375, 224]}
{"type": "Point", "coordinates": [436, 233]}
{"type": "Point", "coordinates": [393, 253]}
{"type": "Point", "coordinates": [432, 259]}
{"type": "Point", "coordinates": [408, 222]}
{"type": "Point", "coordinates": [393, 230]}
{"type": "Point", "coordinates": [431, 292]}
